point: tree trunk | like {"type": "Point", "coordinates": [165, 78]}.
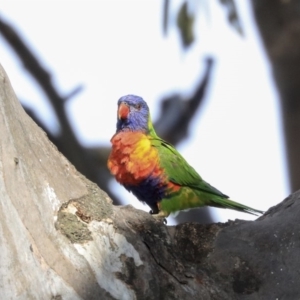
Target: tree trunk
{"type": "Point", "coordinates": [61, 238]}
{"type": "Point", "coordinates": [279, 25]}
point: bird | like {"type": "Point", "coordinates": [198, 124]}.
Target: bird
{"type": "Point", "coordinates": [154, 171]}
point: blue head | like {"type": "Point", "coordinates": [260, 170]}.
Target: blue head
{"type": "Point", "coordinates": [133, 114]}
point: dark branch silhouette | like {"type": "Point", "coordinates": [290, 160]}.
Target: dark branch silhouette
{"type": "Point", "coordinates": [177, 112]}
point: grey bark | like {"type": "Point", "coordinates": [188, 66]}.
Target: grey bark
{"type": "Point", "coordinates": [61, 237]}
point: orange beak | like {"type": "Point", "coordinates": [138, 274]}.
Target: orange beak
{"type": "Point", "coordinates": [123, 111]}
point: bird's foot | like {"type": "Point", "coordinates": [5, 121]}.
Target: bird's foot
{"type": "Point", "coordinates": [160, 216]}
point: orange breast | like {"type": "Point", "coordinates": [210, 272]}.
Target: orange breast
{"type": "Point", "coordinates": [132, 158]}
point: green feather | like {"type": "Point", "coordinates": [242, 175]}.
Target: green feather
{"type": "Point", "coordinates": [194, 191]}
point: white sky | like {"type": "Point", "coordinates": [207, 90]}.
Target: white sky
{"type": "Point", "coordinates": [116, 47]}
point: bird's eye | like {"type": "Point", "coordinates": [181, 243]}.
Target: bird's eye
{"type": "Point", "coordinates": [138, 106]}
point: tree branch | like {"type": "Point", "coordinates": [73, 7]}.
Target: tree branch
{"type": "Point", "coordinates": [279, 25]}
{"type": "Point", "coordinates": [67, 241]}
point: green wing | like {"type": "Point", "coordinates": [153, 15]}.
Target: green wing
{"type": "Point", "coordinates": [178, 169]}
{"type": "Point", "coordinates": [181, 173]}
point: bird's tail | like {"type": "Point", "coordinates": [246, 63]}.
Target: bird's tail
{"type": "Point", "coordinates": [227, 203]}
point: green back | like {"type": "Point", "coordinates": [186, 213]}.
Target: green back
{"type": "Point", "coordinates": [195, 192]}
{"type": "Point", "coordinates": [178, 170]}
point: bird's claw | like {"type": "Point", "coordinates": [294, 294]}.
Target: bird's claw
{"type": "Point", "coordinates": [160, 216]}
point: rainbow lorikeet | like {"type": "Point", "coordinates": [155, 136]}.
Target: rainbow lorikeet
{"type": "Point", "coordinates": [153, 170]}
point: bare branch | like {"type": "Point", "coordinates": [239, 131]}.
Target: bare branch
{"type": "Point", "coordinates": [177, 113]}
{"type": "Point", "coordinates": [43, 79]}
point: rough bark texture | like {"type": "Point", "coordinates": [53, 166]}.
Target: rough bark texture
{"type": "Point", "coordinates": [279, 25]}
{"type": "Point", "coordinates": [61, 238]}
